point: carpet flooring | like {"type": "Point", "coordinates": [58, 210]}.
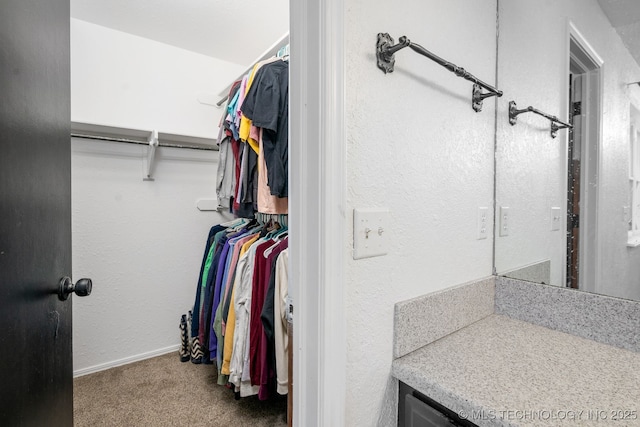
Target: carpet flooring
{"type": "Point", "coordinates": [162, 391]}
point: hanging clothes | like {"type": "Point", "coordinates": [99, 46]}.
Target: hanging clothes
{"type": "Point", "coordinates": [225, 179]}
{"type": "Point", "coordinates": [253, 156]}
{"type": "Point", "coordinates": [201, 304]}
{"type": "Point", "coordinates": [267, 105]}
{"type": "Point", "coordinates": [240, 307]}
{"type": "Point", "coordinates": [236, 305]}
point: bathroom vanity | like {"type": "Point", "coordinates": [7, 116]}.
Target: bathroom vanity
{"type": "Point", "coordinates": [569, 359]}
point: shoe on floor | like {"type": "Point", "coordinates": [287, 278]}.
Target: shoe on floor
{"type": "Point", "coordinates": [184, 340]}
{"type": "Point", "coordinates": [196, 351]}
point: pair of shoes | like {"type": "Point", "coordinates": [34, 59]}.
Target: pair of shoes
{"type": "Point", "coordinates": [184, 340]}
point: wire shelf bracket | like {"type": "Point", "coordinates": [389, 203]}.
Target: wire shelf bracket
{"type": "Point", "coordinates": [151, 155]}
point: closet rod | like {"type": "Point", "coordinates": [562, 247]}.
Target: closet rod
{"type": "Point", "coordinates": [134, 141]}
{"type": "Point", "coordinates": [385, 50]}
{"type": "Point", "coordinates": [514, 112]}
{"type": "Point", "coordinates": [219, 103]}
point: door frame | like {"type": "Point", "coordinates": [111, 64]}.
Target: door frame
{"type": "Point", "coordinates": [589, 259]}
{"type": "Point", "coordinates": [317, 206]}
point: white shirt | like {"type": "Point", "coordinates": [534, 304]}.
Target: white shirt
{"type": "Point", "coordinates": [280, 318]}
{"type": "Point", "coordinates": [243, 290]}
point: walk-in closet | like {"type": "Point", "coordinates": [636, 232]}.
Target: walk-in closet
{"type": "Point", "coordinates": [179, 166]}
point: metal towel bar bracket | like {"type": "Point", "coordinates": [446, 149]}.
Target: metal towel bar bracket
{"type": "Point", "coordinates": [556, 124]}
{"type": "Point", "coordinates": [386, 49]}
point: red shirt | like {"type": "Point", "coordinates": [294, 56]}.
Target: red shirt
{"type": "Point", "coordinates": [258, 291]}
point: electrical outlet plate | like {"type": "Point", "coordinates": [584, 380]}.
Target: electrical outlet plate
{"type": "Point", "coordinates": [556, 218]}
{"type": "Point", "coordinates": [483, 223]}
{"type": "Point", "coordinates": [370, 232]}
{"type": "Point", "coordinates": [504, 221]}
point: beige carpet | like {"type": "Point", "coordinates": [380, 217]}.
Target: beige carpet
{"type": "Point", "coordinates": [165, 392]}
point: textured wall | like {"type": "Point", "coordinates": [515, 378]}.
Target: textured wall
{"type": "Point", "coordinates": [122, 80]}
{"type": "Point", "coordinates": [141, 242]}
{"type": "Point", "coordinates": [415, 146]}
{"type": "Point", "coordinates": [531, 166]}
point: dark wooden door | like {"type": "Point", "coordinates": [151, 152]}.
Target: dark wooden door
{"type": "Point", "coordinates": [35, 214]}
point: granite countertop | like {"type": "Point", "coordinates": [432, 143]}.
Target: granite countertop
{"type": "Point", "coordinates": [500, 371]}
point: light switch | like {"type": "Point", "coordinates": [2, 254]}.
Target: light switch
{"type": "Point", "coordinates": [483, 223]}
{"type": "Point", "coordinates": [556, 218]}
{"type": "Point", "coordinates": [504, 221]}
{"type": "Point", "coordinates": [370, 232]}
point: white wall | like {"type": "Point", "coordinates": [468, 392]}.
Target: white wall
{"type": "Point", "coordinates": [140, 242]}
{"type": "Point", "coordinates": [531, 167]}
{"type": "Point", "coordinates": [118, 79]}
{"type": "Point", "coordinates": [414, 145]}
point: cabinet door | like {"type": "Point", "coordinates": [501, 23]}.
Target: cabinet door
{"type": "Point", "coordinates": [419, 414]}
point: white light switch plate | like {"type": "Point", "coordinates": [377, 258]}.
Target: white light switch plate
{"type": "Point", "coordinates": [370, 232]}
{"type": "Point", "coordinates": [504, 221]}
{"type": "Point", "coordinates": [556, 218]}
{"type": "Point", "coordinates": [483, 223]}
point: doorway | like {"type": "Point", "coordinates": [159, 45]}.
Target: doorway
{"type": "Point", "coordinates": [141, 239]}
{"type": "Point", "coordinates": [583, 163]}
{"type": "Point", "coordinates": [316, 24]}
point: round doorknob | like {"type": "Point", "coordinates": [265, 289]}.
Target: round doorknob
{"type": "Point", "coordinates": [82, 288]}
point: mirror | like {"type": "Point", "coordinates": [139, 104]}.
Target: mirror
{"type": "Point", "coordinates": [568, 208]}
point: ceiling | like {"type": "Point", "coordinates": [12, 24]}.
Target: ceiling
{"type": "Point", "coordinates": [234, 31]}
{"type": "Point", "coordinates": [240, 31]}
{"type": "Point", "coordinates": [625, 18]}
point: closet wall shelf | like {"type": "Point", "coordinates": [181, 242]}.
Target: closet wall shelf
{"type": "Point", "coordinates": [152, 139]}
{"type": "Point", "coordinates": [140, 136]}
{"type": "Point", "coordinates": [556, 124]}
{"type": "Point", "coordinates": [385, 53]}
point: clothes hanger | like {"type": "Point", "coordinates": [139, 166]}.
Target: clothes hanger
{"type": "Point", "coordinates": [257, 228]}
{"type": "Point", "coordinates": [240, 225]}
{"type": "Point", "coordinates": [277, 241]}
{"type": "Point", "coordinates": [283, 53]}
{"type": "Point", "coordinates": [274, 231]}
{"type": "Point", "coordinates": [280, 233]}
{"type": "Point", "coordinates": [233, 223]}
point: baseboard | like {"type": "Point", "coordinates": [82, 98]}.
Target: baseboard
{"type": "Point", "coordinates": [125, 361]}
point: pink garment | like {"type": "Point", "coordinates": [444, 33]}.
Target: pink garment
{"type": "Point", "coordinates": [266, 202]}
